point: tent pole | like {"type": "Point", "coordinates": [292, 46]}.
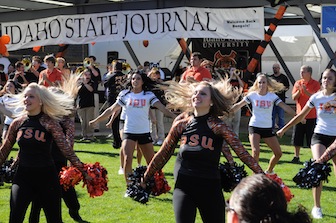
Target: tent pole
{"type": "Point", "coordinates": [131, 52]}
{"type": "Point", "coordinates": [180, 57]}
{"type": "Point", "coordinates": [282, 62]}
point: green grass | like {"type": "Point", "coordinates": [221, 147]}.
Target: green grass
{"type": "Point", "coordinates": [113, 207]}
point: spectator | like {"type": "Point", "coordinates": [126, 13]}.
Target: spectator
{"type": "Point", "coordinates": [3, 75]}
{"type": "Point", "coordinates": [61, 65]}
{"type": "Point", "coordinates": [196, 72]}
{"type": "Point", "coordinates": [97, 79]}
{"type": "Point", "coordinates": [278, 112]}
{"type": "Point", "coordinates": [157, 127]}
{"type": "Point", "coordinates": [19, 76]}
{"type": "Point", "coordinates": [85, 105]}
{"type": "Point", "coordinates": [302, 90]}
{"type": "Point", "coordinates": [36, 67]}
{"type": "Point", "coordinates": [50, 76]}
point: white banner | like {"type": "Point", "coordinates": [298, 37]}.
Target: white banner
{"type": "Point", "coordinates": [184, 22]}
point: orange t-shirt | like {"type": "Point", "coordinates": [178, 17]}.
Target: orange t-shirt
{"type": "Point", "coordinates": [55, 75]}
{"type": "Point", "coordinates": [312, 87]}
{"type": "Point", "coordinates": [200, 74]}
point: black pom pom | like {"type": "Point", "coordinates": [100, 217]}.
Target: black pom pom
{"type": "Point", "coordinates": [134, 190]}
{"type": "Point", "coordinates": [7, 172]}
{"type": "Point", "coordinates": [231, 175]}
{"type": "Point", "coordinates": [312, 174]}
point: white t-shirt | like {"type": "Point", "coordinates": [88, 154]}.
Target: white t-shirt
{"type": "Point", "coordinates": [8, 101]}
{"type": "Point", "coordinates": [326, 118]}
{"type": "Point", "coordinates": [262, 108]}
{"type": "Point", "coordinates": [136, 108]}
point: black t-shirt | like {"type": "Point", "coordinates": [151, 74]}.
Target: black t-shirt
{"type": "Point", "coordinates": [96, 79]}
{"type": "Point", "coordinates": [35, 143]}
{"type": "Point", "coordinates": [200, 150]}
{"type": "Point", "coordinates": [284, 80]}
{"type": "Point", "coordinates": [85, 97]}
{"type": "Point", "coordinates": [113, 87]}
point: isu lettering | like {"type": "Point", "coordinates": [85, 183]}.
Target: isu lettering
{"type": "Point", "coordinates": [263, 103]}
{"type": "Point", "coordinates": [195, 140]}
{"type": "Point", "coordinates": [30, 133]}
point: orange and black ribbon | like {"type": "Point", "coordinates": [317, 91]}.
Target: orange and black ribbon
{"type": "Point", "coordinates": [268, 36]}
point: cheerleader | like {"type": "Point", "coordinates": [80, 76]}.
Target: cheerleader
{"type": "Point", "coordinates": [135, 100]}
{"type": "Point", "coordinates": [324, 131]}
{"type": "Point", "coordinates": [262, 97]}
{"type": "Point", "coordinates": [196, 173]}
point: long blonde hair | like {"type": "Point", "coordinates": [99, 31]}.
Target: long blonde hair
{"type": "Point", "coordinates": [272, 85]}
{"type": "Point", "coordinates": [55, 105]}
{"type": "Point", "coordinates": [223, 96]}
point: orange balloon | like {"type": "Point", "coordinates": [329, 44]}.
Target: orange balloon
{"type": "Point", "coordinates": [3, 49]}
{"type": "Point", "coordinates": [93, 43]}
{"type": "Point", "coordinates": [61, 45]}
{"type": "Point", "coordinates": [145, 43]}
{"type": "Point", "coordinates": [36, 48]}
{"type": "Point", "coordinates": [5, 39]}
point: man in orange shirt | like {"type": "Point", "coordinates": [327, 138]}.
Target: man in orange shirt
{"type": "Point", "coordinates": [302, 90]}
{"type": "Point", "coordinates": [50, 76]}
{"type": "Point", "coordinates": [196, 72]}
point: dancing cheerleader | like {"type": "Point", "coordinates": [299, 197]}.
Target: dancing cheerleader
{"type": "Point", "coordinates": [262, 97]}
{"type": "Point", "coordinates": [135, 100]}
{"type": "Point", "coordinates": [324, 132]}
{"type": "Point", "coordinates": [197, 177]}
{"type": "Point", "coordinates": [34, 130]}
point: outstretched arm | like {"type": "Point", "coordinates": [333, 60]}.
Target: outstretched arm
{"type": "Point", "coordinates": [295, 120]}
{"type": "Point", "coordinates": [164, 110]}
{"type": "Point", "coordinates": [238, 106]}
{"type": "Point", "coordinates": [107, 113]}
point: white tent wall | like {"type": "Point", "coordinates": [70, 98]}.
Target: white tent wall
{"type": "Point", "coordinates": [167, 50]}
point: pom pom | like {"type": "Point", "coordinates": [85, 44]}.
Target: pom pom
{"type": "Point", "coordinates": [7, 171]}
{"type": "Point", "coordinates": [231, 175]}
{"type": "Point", "coordinates": [161, 185]}
{"type": "Point", "coordinates": [312, 174]}
{"type": "Point", "coordinates": [69, 177]}
{"type": "Point", "coordinates": [285, 189]}
{"type": "Point", "coordinates": [98, 184]}
{"type": "Point", "coordinates": [156, 186]}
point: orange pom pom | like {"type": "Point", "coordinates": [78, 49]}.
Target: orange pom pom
{"type": "Point", "coordinates": [69, 177]}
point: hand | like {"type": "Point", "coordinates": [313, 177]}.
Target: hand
{"type": "Point", "coordinates": [304, 121]}
{"type": "Point", "coordinates": [280, 133]}
{"type": "Point", "coordinates": [142, 183]}
{"type": "Point", "coordinates": [109, 124]}
{"type": "Point", "coordinates": [92, 122]}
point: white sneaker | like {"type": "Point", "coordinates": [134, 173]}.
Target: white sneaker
{"type": "Point", "coordinates": [317, 213]}
{"type": "Point", "coordinates": [159, 142]}
{"type": "Point", "coordinates": [270, 173]}
{"type": "Point", "coordinates": [121, 171]}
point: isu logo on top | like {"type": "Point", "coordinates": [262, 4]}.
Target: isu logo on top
{"type": "Point", "coordinates": [263, 103]}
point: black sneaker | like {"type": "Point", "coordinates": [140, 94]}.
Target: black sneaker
{"type": "Point", "coordinates": [295, 160]}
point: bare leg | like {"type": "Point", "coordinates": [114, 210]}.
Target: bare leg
{"type": "Point", "coordinates": [317, 151]}
{"type": "Point", "coordinates": [273, 143]}
{"type": "Point", "coordinates": [297, 151]}
{"type": "Point", "coordinates": [128, 147]}
{"type": "Point", "coordinates": [255, 145]}
{"type": "Point", "coordinates": [147, 151]}
{"type": "Point", "coordinates": [139, 155]}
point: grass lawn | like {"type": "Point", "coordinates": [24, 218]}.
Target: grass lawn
{"type": "Point", "coordinates": [113, 207]}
